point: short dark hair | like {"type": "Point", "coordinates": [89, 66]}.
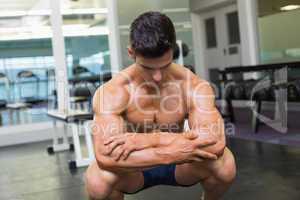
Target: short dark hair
{"type": "Point", "coordinates": [152, 34]}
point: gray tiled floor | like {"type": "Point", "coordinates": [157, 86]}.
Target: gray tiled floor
{"type": "Point", "coordinates": [243, 128]}
{"type": "Point", "coordinates": [265, 171]}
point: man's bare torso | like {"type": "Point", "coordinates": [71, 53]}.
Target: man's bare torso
{"type": "Point", "coordinates": [153, 106]}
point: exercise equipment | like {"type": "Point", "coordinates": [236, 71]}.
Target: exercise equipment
{"type": "Point", "coordinates": [215, 80]}
{"type": "Point", "coordinates": [221, 93]}
{"type": "Point", "coordinates": [51, 91]}
{"type": "Point", "coordinates": [13, 107]}
{"type": "Point", "coordinates": [238, 91]}
{"type": "Point", "coordinates": [185, 49]}
{"type": "Point", "coordinates": [28, 77]}
{"type": "Point", "coordinates": [249, 85]}
{"type": "Point", "coordinates": [180, 50]}
{"type": "Point", "coordinates": [293, 89]}
{"type": "Point", "coordinates": [277, 91]}
{"type": "Point", "coordinates": [228, 90]}
{"type": "Point", "coordinates": [262, 94]}
{"type": "Point", "coordinates": [3, 102]}
{"type": "Point", "coordinates": [76, 99]}
{"type": "Point", "coordinates": [4, 80]}
{"type": "Point", "coordinates": [272, 92]}
{"type": "Point", "coordinates": [81, 96]}
{"type": "Point", "coordinates": [77, 120]}
{"type": "Point", "coordinates": [80, 70]}
{"type": "Point", "coordinates": [177, 50]}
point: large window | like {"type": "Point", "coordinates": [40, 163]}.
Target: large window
{"type": "Point", "coordinates": [279, 28]}
{"type": "Point", "coordinates": [86, 36]}
{"type": "Point", "coordinates": [11, 67]}
{"type": "Point", "coordinates": [26, 48]}
{"type": "Point", "coordinates": [25, 56]}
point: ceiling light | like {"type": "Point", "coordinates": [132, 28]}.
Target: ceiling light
{"type": "Point", "coordinates": [289, 7]}
{"type": "Point", "coordinates": [84, 11]}
{"type": "Point", "coordinates": [15, 13]}
{"type": "Point", "coordinates": [175, 10]}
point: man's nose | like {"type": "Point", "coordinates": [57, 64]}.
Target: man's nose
{"type": "Point", "coordinates": [157, 75]}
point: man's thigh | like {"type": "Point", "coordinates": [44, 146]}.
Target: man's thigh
{"type": "Point", "coordinates": [192, 173]}
{"type": "Point", "coordinates": [130, 182]}
{"type": "Point", "coordinates": [123, 182]}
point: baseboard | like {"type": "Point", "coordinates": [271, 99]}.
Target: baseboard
{"type": "Point", "coordinates": [27, 133]}
{"type": "Point", "coordinates": [30, 133]}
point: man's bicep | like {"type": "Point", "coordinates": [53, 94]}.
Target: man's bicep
{"type": "Point", "coordinates": [207, 123]}
{"type": "Point", "coordinates": [108, 104]}
{"type": "Point", "coordinates": [203, 112]}
{"type": "Point", "coordinates": [104, 126]}
{"type": "Point", "coordinates": [108, 124]}
{"type": "Point", "coordinates": [205, 119]}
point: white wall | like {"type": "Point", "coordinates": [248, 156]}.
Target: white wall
{"type": "Point", "coordinates": [278, 33]}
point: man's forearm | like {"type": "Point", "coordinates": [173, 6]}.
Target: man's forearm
{"type": "Point", "coordinates": [163, 139]}
{"type": "Point", "coordinates": [143, 158]}
{"type": "Point", "coordinates": [137, 161]}
{"type": "Point", "coordinates": [158, 152]}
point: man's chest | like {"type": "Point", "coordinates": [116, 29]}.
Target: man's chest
{"type": "Point", "coordinates": [157, 108]}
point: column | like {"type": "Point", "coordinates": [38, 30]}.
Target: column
{"type": "Point", "coordinates": [248, 16]}
{"type": "Point", "coordinates": [58, 46]}
{"type": "Point", "coordinates": [114, 36]}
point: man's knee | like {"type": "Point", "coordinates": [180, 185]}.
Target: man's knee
{"type": "Point", "coordinates": [99, 183]}
{"type": "Point", "coordinates": [222, 179]}
{"type": "Point", "coordinates": [227, 173]}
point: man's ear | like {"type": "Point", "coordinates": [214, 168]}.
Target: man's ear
{"type": "Point", "coordinates": [131, 53]}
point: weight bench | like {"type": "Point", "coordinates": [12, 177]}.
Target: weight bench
{"type": "Point", "coordinates": [77, 119]}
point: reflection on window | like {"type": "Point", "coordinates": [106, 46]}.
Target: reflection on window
{"type": "Point", "coordinates": [210, 28]}
{"type": "Point", "coordinates": [38, 65]}
{"type": "Point", "coordinates": [233, 28]}
{"type": "Point", "coordinates": [278, 33]}
{"type": "Point", "coordinates": [91, 53]}
{"type": "Point", "coordinates": [94, 63]}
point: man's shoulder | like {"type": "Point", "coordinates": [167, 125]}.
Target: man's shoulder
{"type": "Point", "coordinates": [190, 79]}
{"type": "Point", "coordinates": [113, 95]}
{"type": "Point", "coordinates": [186, 75]}
{"type": "Point", "coordinates": [119, 82]}
{"type": "Point", "coordinates": [193, 84]}
{"type": "Point", "coordinates": [124, 77]}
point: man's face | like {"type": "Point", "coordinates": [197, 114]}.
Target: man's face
{"type": "Point", "coordinates": [155, 67]}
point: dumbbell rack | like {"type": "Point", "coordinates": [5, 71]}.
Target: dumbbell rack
{"type": "Point", "coordinates": [280, 82]}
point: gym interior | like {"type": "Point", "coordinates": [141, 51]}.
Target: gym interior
{"type": "Point", "coordinates": [54, 54]}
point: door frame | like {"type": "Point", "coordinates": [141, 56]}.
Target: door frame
{"type": "Point", "coordinates": [216, 55]}
{"type": "Point", "coordinates": [248, 31]}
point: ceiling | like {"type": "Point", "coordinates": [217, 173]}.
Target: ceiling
{"type": "Point", "coordinates": [270, 7]}
{"type": "Point", "coordinates": [17, 4]}
{"type": "Point", "coordinates": [266, 7]}
{"type": "Point", "coordinates": [44, 4]}
{"type": "Point", "coordinates": [18, 26]}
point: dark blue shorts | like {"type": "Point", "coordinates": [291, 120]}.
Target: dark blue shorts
{"type": "Point", "coordinates": [162, 175]}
